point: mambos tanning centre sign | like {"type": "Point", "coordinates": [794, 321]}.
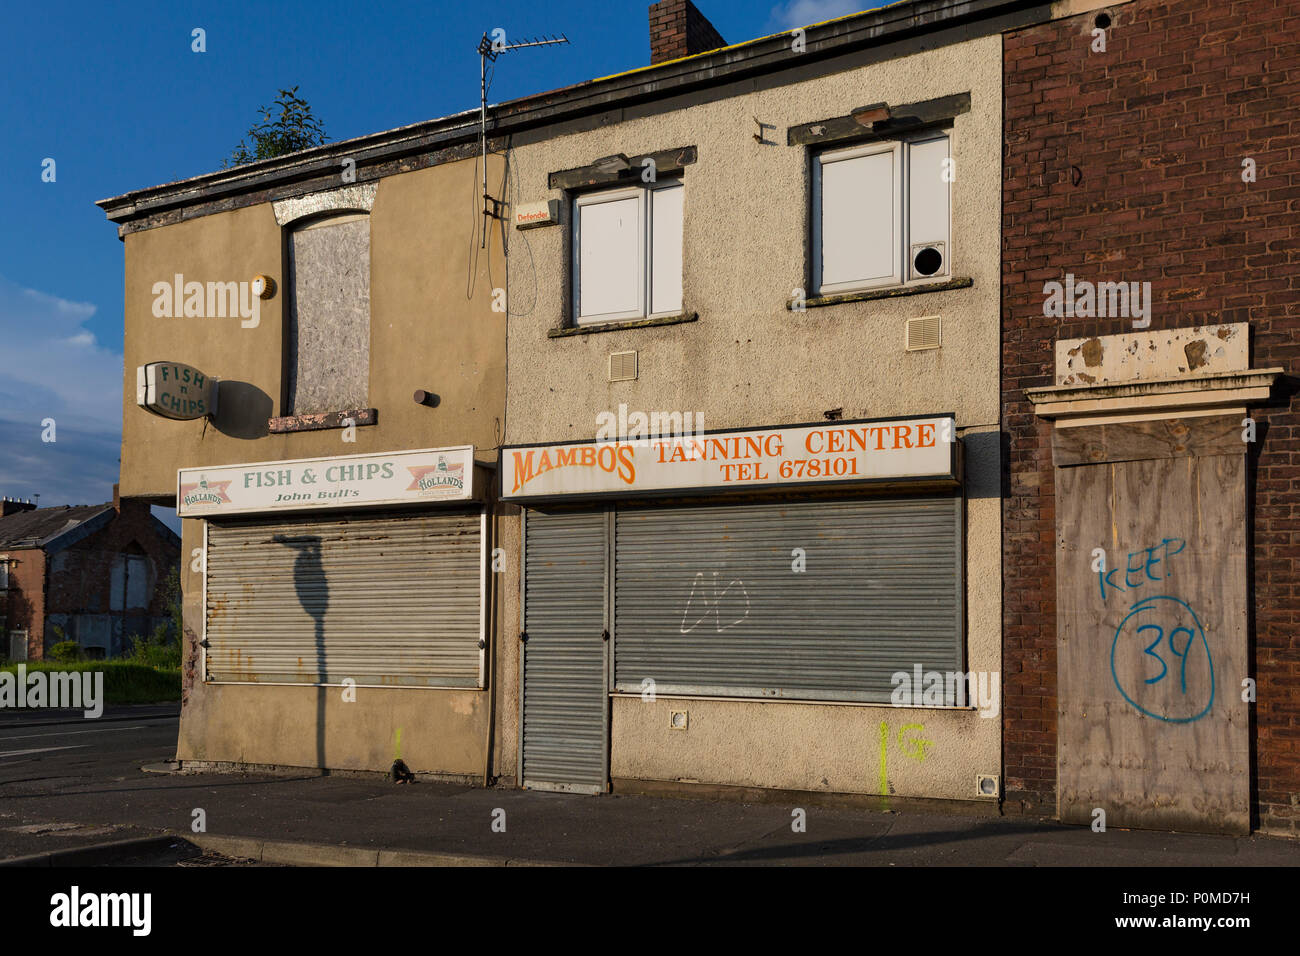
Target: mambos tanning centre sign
{"type": "Point", "coordinates": [397, 478]}
{"type": "Point", "coordinates": [902, 450]}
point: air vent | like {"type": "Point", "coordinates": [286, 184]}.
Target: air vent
{"type": "Point", "coordinates": [929, 259]}
{"type": "Point", "coordinates": [987, 785]}
{"type": "Point", "coordinates": [923, 333]}
{"type": "Point", "coordinates": [622, 366]}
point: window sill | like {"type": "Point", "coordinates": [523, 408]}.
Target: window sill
{"type": "Point", "coordinates": [323, 420]}
{"type": "Point", "coordinates": [891, 292]}
{"type": "Point", "coordinates": [568, 330]}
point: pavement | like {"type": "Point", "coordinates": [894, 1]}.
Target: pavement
{"type": "Point", "coordinates": [68, 784]}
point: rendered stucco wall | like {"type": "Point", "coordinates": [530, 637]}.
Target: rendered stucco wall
{"type": "Point", "coordinates": [431, 327]}
{"type": "Point", "coordinates": [748, 361]}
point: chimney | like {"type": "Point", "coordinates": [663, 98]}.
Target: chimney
{"type": "Point", "coordinates": [677, 29]}
{"type": "Point", "coordinates": [117, 499]}
{"type": "Point", "coordinates": [11, 506]}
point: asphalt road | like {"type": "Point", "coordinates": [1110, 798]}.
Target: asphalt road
{"type": "Point", "coordinates": [47, 758]}
{"type": "Point", "coordinates": [77, 783]}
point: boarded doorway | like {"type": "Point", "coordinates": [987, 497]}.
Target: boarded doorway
{"type": "Point", "coordinates": [1152, 647]}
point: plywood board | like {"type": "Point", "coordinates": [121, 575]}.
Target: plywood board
{"type": "Point", "coordinates": [1152, 651]}
{"type": "Point", "coordinates": [1137, 441]}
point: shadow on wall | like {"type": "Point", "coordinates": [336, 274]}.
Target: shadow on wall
{"type": "Point", "coordinates": [243, 410]}
{"type": "Point", "coordinates": [313, 594]}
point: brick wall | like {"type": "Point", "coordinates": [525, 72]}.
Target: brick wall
{"type": "Point", "coordinates": [678, 29]}
{"type": "Point", "coordinates": [1127, 165]}
{"type": "Point", "coordinates": [24, 602]}
{"type": "Point", "coordinates": [80, 577]}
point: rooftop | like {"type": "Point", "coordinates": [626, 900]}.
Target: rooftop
{"type": "Point", "coordinates": [32, 529]}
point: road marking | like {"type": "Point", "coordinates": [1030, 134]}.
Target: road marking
{"type": "Point", "coordinates": [40, 750]}
{"type": "Point", "coordinates": [74, 733]}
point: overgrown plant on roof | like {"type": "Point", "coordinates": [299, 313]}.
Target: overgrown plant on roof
{"type": "Point", "coordinates": [286, 127]}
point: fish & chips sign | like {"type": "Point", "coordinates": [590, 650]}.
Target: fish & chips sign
{"type": "Point", "coordinates": [408, 477]}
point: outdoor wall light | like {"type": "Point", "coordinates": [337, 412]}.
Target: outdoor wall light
{"type": "Point", "coordinates": [427, 398]}
{"type": "Point", "coordinates": [263, 286]}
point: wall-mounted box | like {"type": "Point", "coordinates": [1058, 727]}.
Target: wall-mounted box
{"type": "Point", "coordinates": [531, 215]}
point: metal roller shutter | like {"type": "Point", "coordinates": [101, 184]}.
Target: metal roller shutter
{"type": "Point", "coordinates": [383, 600]}
{"type": "Point", "coordinates": [565, 692]}
{"type": "Point", "coordinates": [707, 602]}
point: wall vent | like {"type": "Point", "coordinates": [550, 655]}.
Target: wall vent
{"type": "Point", "coordinates": [923, 333]}
{"type": "Point", "coordinates": [622, 366]}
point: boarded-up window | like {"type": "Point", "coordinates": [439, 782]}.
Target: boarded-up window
{"type": "Point", "coordinates": [329, 315]}
{"type": "Point", "coordinates": [129, 582]}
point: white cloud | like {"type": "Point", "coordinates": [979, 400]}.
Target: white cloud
{"type": "Point", "coordinates": [800, 13]}
{"type": "Point", "coordinates": [51, 367]}
{"type": "Point", "coordinates": [80, 311]}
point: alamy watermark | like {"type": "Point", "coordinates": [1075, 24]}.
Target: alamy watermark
{"type": "Point", "coordinates": [1098, 300]}
{"type": "Point", "coordinates": [71, 690]}
{"type": "Point", "coordinates": [638, 428]}
{"type": "Point", "coordinates": [921, 688]}
{"type": "Point", "coordinates": [213, 300]}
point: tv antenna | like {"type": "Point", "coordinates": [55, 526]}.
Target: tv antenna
{"type": "Point", "coordinates": [490, 49]}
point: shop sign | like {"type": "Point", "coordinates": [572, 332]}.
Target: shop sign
{"type": "Point", "coordinates": [173, 390]}
{"type": "Point", "coordinates": [913, 449]}
{"type": "Point", "coordinates": [397, 478]}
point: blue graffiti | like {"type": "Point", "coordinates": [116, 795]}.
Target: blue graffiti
{"type": "Point", "coordinates": [1153, 650]}
{"type": "Point", "coordinates": [1142, 570]}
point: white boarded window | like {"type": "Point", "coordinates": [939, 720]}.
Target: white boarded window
{"type": "Point", "coordinates": [881, 215]}
{"type": "Point", "coordinates": [628, 254]}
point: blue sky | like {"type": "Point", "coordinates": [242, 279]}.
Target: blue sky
{"type": "Point", "coordinates": [114, 94]}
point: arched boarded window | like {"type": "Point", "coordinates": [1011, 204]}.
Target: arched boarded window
{"type": "Point", "coordinates": [328, 333]}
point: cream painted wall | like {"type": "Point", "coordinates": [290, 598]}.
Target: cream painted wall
{"type": "Point", "coordinates": [750, 362]}
{"type": "Point", "coordinates": [431, 327]}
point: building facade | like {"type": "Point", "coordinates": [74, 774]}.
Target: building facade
{"type": "Point", "coordinates": [1154, 434]}
{"type": "Point", "coordinates": [331, 338]}
{"type": "Point", "coordinates": [756, 446]}
{"type": "Point", "coordinates": [719, 472]}
{"type": "Point", "coordinates": [92, 574]}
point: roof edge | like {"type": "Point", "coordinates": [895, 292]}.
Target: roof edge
{"type": "Point", "coordinates": [761, 55]}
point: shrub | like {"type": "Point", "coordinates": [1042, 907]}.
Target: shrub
{"type": "Point", "coordinates": [65, 652]}
{"type": "Point", "coordinates": [124, 682]}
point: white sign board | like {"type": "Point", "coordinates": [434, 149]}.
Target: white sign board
{"type": "Point", "coordinates": [173, 390]}
{"type": "Point", "coordinates": [397, 478]}
{"type": "Point", "coordinates": [830, 452]}
{"type": "Point", "coordinates": [530, 214]}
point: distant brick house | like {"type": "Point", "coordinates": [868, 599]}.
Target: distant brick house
{"type": "Point", "coordinates": [90, 573]}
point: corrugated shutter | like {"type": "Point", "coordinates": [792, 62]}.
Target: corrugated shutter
{"type": "Point", "coordinates": [383, 600]}
{"type": "Point", "coordinates": [565, 691]}
{"type": "Point", "coordinates": [707, 602]}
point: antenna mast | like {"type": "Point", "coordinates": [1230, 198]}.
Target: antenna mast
{"type": "Point", "coordinates": [490, 49]}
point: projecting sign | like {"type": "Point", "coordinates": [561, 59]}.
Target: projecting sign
{"type": "Point", "coordinates": [398, 478]}
{"type": "Point", "coordinates": [830, 452]}
{"type": "Point", "coordinates": [175, 391]}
